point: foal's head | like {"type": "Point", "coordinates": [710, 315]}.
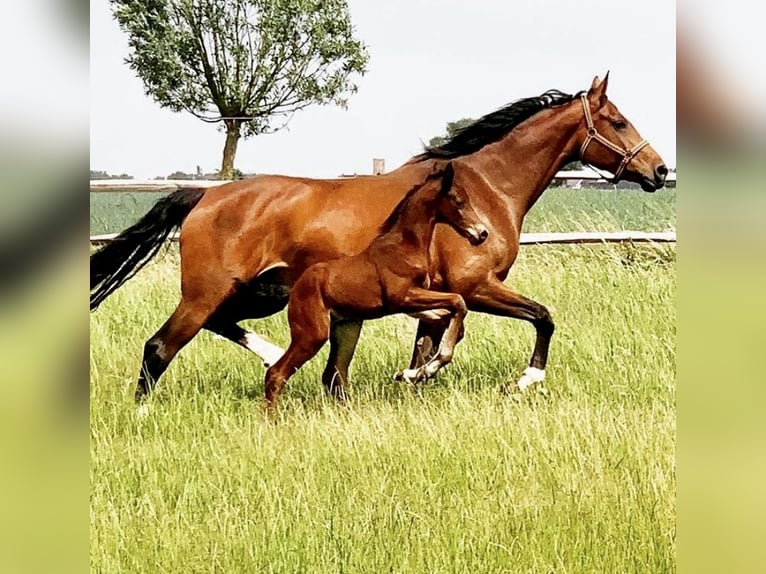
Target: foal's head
{"type": "Point", "coordinates": [454, 208]}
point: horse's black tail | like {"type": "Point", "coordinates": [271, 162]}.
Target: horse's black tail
{"type": "Point", "coordinates": [123, 257]}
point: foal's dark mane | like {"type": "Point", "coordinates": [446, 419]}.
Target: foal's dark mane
{"type": "Point", "coordinates": [396, 214]}
{"type": "Point", "coordinates": [493, 126]}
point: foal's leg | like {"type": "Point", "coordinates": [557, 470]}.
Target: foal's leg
{"type": "Point", "coordinates": [495, 298]}
{"type": "Point", "coordinates": [309, 329]}
{"type": "Point", "coordinates": [344, 335]}
{"type": "Point", "coordinates": [419, 299]}
{"type": "Point", "coordinates": [309, 332]}
{"type": "Point", "coordinates": [427, 339]}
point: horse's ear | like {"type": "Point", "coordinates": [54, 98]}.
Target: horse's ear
{"type": "Point", "coordinates": [448, 178]}
{"type": "Point", "coordinates": [604, 84]}
{"type": "Point", "coordinates": [597, 92]}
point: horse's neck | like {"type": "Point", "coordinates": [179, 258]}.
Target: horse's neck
{"type": "Point", "coordinates": [522, 165]}
{"type": "Point", "coordinates": [415, 226]}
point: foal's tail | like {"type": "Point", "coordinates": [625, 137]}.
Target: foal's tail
{"type": "Point", "coordinates": [123, 257]}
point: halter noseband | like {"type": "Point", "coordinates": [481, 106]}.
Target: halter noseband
{"type": "Point", "coordinates": [592, 134]}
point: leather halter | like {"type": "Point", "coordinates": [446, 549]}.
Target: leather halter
{"type": "Point", "coordinates": [592, 134]}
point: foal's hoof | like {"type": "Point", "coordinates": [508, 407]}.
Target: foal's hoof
{"type": "Point", "coordinates": [409, 375]}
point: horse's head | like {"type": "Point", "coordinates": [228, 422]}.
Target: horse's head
{"type": "Point", "coordinates": [454, 208]}
{"type": "Point", "coordinates": [611, 142]}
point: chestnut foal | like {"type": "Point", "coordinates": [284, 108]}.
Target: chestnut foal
{"type": "Point", "coordinates": [389, 276]}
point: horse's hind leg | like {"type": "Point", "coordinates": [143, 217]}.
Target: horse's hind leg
{"type": "Point", "coordinates": [250, 301]}
{"type": "Point", "coordinates": [344, 336]}
{"type": "Point", "coordinates": [419, 300]}
{"type": "Point", "coordinates": [427, 339]}
{"type": "Point", "coordinates": [159, 350]}
{"type": "Point", "coordinates": [267, 351]}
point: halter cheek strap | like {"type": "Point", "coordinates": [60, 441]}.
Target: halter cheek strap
{"type": "Point", "coordinates": [592, 134]}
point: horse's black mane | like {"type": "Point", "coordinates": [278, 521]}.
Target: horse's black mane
{"type": "Point", "coordinates": [493, 126]}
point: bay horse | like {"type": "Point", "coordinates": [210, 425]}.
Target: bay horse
{"type": "Point", "coordinates": [244, 243]}
{"type": "Point", "coordinates": [390, 276]}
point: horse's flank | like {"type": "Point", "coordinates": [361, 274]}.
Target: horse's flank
{"type": "Point", "coordinates": [293, 220]}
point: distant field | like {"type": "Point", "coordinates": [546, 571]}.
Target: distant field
{"type": "Point", "coordinates": [448, 477]}
{"type": "Point", "coordinates": [559, 209]}
{"type": "Point", "coordinates": [113, 212]}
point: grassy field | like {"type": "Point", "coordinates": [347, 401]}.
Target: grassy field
{"type": "Point", "coordinates": [451, 476]}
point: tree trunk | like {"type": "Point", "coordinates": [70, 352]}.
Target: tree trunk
{"type": "Point", "coordinates": [230, 149]}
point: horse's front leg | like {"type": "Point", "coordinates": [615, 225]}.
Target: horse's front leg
{"type": "Point", "coordinates": [432, 304]}
{"type": "Point", "coordinates": [495, 298]}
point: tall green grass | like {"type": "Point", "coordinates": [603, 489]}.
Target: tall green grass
{"type": "Point", "coordinates": [450, 476]}
{"type": "Point", "coordinates": [561, 209]}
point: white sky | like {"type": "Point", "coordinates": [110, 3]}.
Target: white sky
{"type": "Point", "coordinates": [431, 61]}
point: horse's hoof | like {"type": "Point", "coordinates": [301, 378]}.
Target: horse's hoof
{"type": "Point", "coordinates": [511, 389]}
{"type": "Point", "coordinates": [530, 378]}
{"type": "Point", "coordinates": [341, 398]}
{"type": "Point", "coordinates": [143, 411]}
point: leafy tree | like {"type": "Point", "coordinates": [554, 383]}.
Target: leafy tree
{"type": "Point", "coordinates": [178, 174]}
{"type": "Point", "coordinates": [249, 64]}
{"type": "Point", "coordinates": [452, 129]}
{"type": "Point", "coordinates": [99, 174]}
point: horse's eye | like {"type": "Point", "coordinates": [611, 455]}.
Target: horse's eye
{"type": "Point", "coordinates": [619, 124]}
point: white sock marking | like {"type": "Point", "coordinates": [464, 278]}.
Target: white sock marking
{"type": "Point", "coordinates": [143, 411]}
{"type": "Point", "coordinates": [531, 376]}
{"type": "Point", "coordinates": [268, 352]}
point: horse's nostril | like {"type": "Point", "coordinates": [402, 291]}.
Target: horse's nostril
{"type": "Point", "coordinates": [483, 234]}
{"type": "Point", "coordinates": [660, 171]}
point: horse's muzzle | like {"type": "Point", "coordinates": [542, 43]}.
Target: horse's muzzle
{"type": "Point", "coordinates": [658, 181]}
{"type": "Point", "coordinates": [477, 234]}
